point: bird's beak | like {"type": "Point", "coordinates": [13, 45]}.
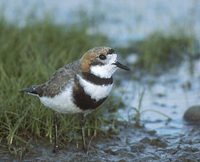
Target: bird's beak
{"type": "Point", "coordinates": [119, 65]}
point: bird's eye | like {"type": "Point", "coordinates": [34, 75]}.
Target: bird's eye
{"type": "Point", "coordinates": [102, 57]}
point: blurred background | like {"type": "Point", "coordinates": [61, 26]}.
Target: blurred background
{"type": "Point", "coordinates": [158, 39]}
{"type": "Point", "coordinates": [121, 21]}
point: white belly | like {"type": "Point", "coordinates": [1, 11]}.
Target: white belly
{"type": "Point", "coordinates": [62, 103]}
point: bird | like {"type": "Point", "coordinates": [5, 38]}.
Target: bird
{"type": "Point", "coordinates": [79, 87]}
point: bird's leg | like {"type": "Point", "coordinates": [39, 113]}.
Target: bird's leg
{"type": "Point", "coordinates": [82, 124]}
{"type": "Point", "coordinates": [55, 132]}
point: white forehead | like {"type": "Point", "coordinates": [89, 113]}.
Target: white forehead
{"type": "Point", "coordinates": [111, 58]}
{"type": "Point", "coordinates": [107, 70]}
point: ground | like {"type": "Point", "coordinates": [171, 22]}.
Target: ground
{"type": "Point", "coordinates": [130, 144]}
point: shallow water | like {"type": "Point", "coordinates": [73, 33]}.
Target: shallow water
{"type": "Point", "coordinates": [170, 94]}
{"type": "Point", "coordinates": [122, 21]}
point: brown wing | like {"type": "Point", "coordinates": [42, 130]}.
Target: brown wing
{"type": "Point", "coordinates": [59, 79]}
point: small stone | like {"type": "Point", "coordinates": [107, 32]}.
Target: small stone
{"type": "Point", "coordinates": [138, 147]}
{"type": "Point", "coordinates": [121, 160]}
{"type": "Point", "coordinates": [151, 132]}
{"type": "Point", "coordinates": [160, 95]}
{"type": "Point", "coordinates": [111, 151]}
{"type": "Point", "coordinates": [192, 114]}
{"type": "Point", "coordinates": [187, 85]}
{"type": "Point", "coordinates": [154, 142]}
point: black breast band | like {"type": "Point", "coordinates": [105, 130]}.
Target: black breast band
{"type": "Point", "coordinates": [97, 80]}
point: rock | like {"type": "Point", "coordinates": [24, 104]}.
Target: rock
{"type": "Point", "coordinates": [116, 150]}
{"type": "Point", "coordinates": [154, 142]}
{"type": "Point", "coordinates": [192, 114]}
{"type": "Point", "coordinates": [111, 151]}
{"type": "Point", "coordinates": [160, 95]}
{"type": "Point", "coordinates": [139, 147]}
{"type": "Point", "coordinates": [121, 160]}
{"type": "Point", "coordinates": [187, 85]}
{"type": "Point", "coordinates": [151, 132]}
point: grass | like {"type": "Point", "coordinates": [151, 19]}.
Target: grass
{"type": "Point", "coordinates": [160, 52]}
{"type": "Point", "coordinates": [29, 55]}
{"type": "Point", "coordinates": [139, 111]}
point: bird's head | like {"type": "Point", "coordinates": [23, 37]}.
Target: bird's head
{"type": "Point", "coordinates": [101, 61]}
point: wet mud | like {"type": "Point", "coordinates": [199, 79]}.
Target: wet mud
{"type": "Point", "coordinates": [130, 144]}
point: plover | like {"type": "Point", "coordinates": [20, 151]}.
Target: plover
{"type": "Point", "coordinates": [79, 87]}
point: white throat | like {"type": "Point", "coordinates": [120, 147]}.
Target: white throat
{"type": "Point", "coordinates": [107, 70]}
{"type": "Point", "coordinates": [96, 92]}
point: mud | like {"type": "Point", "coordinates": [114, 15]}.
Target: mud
{"type": "Point", "coordinates": [130, 144]}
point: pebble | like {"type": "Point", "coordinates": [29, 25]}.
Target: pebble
{"type": "Point", "coordinates": [192, 114]}
{"type": "Point", "coordinates": [121, 160]}
{"type": "Point", "coordinates": [154, 142]}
